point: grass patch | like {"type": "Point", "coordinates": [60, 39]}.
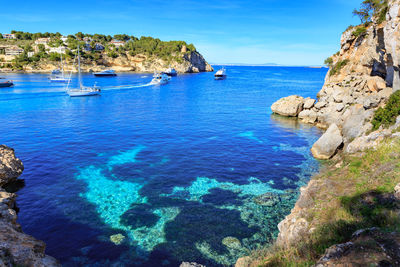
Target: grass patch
{"type": "Point", "coordinates": [338, 66]}
{"type": "Point", "coordinates": [360, 31]}
{"type": "Point", "coordinates": [356, 196]}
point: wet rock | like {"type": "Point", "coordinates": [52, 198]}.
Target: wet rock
{"type": "Point", "coordinates": [328, 144]}
{"type": "Point", "coordinates": [289, 106]}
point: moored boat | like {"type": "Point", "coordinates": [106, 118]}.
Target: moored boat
{"type": "Point", "coordinates": [170, 72]}
{"type": "Point", "coordinates": [105, 73]}
{"type": "Point", "coordinates": [82, 90]}
{"type": "Point", "coordinates": [6, 84]}
{"type": "Point", "coordinates": [59, 77]}
{"type": "Point", "coordinates": [221, 74]}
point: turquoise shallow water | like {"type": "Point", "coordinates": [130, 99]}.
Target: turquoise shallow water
{"type": "Point", "coordinates": [196, 170]}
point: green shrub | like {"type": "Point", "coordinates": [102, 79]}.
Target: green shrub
{"type": "Point", "coordinates": [328, 62]}
{"type": "Point", "coordinates": [387, 116]}
{"type": "Point", "coordinates": [360, 31]}
{"type": "Point", "coordinates": [338, 66]}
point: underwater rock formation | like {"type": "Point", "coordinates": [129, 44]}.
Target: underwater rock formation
{"type": "Point", "coordinates": [16, 247]}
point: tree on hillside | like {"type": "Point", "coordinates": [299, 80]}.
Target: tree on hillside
{"type": "Point", "coordinates": [80, 35]}
{"type": "Point", "coordinates": [371, 8]}
{"type": "Point", "coordinates": [122, 37]}
{"type": "Point", "coordinates": [1, 36]}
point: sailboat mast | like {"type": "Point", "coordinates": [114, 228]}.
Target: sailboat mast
{"type": "Point", "coordinates": [79, 67]}
{"type": "Point", "coordinates": [62, 67]}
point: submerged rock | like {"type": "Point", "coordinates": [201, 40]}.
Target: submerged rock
{"type": "Point", "coordinates": [117, 239]}
{"type": "Point", "coordinates": [232, 242]}
{"type": "Point", "coordinates": [289, 106]}
{"type": "Point", "coordinates": [191, 264]}
{"type": "Point", "coordinates": [268, 199]}
{"type": "Point", "coordinates": [328, 144]}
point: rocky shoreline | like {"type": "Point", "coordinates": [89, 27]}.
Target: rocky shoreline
{"type": "Point", "coordinates": [16, 247]}
{"type": "Point", "coordinates": [362, 77]}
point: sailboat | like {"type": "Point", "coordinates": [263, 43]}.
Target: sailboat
{"type": "Point", "coordinates": [82, 90]}
{"type": "Point", "coordinates": [59, 78]}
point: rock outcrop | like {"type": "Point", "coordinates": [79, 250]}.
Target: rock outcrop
{"type": "Point", "coordinates": [329, 142]}
{"type": "Point", "coordinates": [362, 76]}
{"type": "Point", "coordinates": [368, 247]}
{"type": "Point", "coordinates": [16, 247]}
{"type": "Point", "coordinates": [289, 106]}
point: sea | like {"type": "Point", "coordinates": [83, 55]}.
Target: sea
{"type": "Point", "coordinates": [197, 170]}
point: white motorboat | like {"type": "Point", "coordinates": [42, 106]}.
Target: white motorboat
{"type": "Point", "coordinates": [221, 74]}
{"type": "Point", "coordinates": [82, 90]}
{"type": "Point", "coordinates": [160, 79]}
{"type": "Point", "coordinates": [105, 73]}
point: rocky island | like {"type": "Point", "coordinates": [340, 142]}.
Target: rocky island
{"type": "Point", "coordinates": [348, 215]}
{"type": "Point", "coordinates": [42, 52]}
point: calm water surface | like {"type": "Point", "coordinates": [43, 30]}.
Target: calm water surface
{"type": "Point", "coordinates": [152, 176]}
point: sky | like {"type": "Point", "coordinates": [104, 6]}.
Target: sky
{"type": "Point", "coordinates": [287, 32]}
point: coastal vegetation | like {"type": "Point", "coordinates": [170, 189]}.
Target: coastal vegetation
{"type": "Point", "coordinates": [41, 47]}
{"type": "Point", "coordinates": [386, 116]}
{"type": "Point", "coordinates": [338, 66]}
{"type": "Point", "coordinates": [357, 195]}
{"type": "Point", "coordinates": [370, 9]}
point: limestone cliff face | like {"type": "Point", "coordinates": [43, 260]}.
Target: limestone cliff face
{"type": "Point", "coordinates": [16, 248]}
{"type": "Point", "coordinates": [189, 62]}
{"type": "Point", "coordinates": [369, 74]}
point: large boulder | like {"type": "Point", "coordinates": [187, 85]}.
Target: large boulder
{"type": "Point", "coordinates": [328, 144]}
{"type": "Point", "coordinates": [308, 116]}
{"type": "Point", "coordinates": [10, 166]}
{"type": "Point", "coordinates": [355, 118]}
{"type": "Point", "coordinates": [289, 106]}
{"type": "Point", "coordinates": [309, 103]}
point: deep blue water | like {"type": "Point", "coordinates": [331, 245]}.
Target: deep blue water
{"type": "Point", "coordinates": [152, 176]}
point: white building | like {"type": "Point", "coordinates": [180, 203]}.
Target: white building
{"type": "Point", "coordinates": [59, 50]}
{"type": "Point", "coordinates": [117, 43]}
{"type": "Point", "coordinates": [9, 36]}
{"type": "Point", "coordinates": [43, 41]}
{"type": "Point", "coordinates": [30, 54]}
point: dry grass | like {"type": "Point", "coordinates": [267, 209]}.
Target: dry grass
{"type": "Point", "coordinates": [356, 195]}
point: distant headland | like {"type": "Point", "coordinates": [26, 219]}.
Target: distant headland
{"type": "Point", "coordinates": [42, 52]}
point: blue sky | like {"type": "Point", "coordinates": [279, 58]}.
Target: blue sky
{"type": "Point", "coordinates": [226, 31]}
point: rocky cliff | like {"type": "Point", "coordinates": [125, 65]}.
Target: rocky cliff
{"type": "Point", "coordinates": [362, 77]}
{"type": "Point", "coordinates": [354, 203]}
{"type": "Point", "coordinates": [16, 247]}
